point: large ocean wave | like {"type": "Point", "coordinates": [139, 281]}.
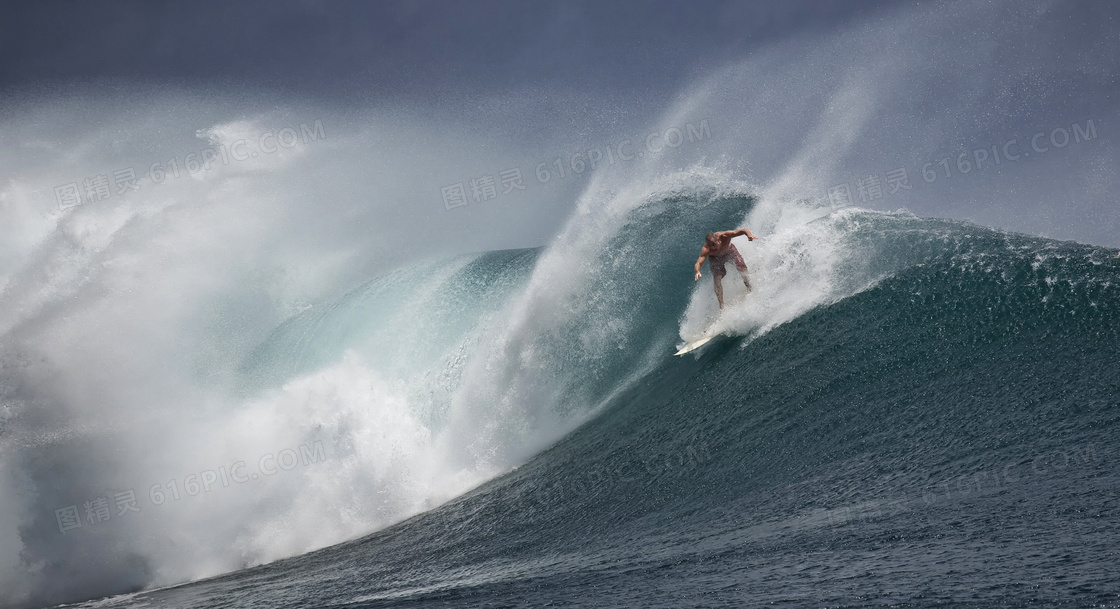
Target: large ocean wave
{"type": "Point", "coordinates": [934, 373]}
{"type": "Point", "coordinates": [273, 356]}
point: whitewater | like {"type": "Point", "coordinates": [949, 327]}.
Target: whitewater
{"type": "Point", "coordinates": [267, 383]}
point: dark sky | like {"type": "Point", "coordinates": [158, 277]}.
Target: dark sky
{"type": "Point", "coordinates": [529, 79]}
{"type": "Point", "coordinates": [423, 47]}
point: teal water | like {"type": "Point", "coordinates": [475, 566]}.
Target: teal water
{"type": "Point", "coordinates": [942, 432]}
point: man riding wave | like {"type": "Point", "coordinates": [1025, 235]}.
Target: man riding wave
{"type": "Point", "coordinates": [719, 250]}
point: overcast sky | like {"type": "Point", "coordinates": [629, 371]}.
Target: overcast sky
{"type": "Point", "coordinates": [339, 48]}
{"type": "Point", "coordinates": [531, 74]}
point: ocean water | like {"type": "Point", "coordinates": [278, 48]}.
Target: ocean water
{"type": "Point", "coordinates": [927, 418]}
{"type": "Point", "coordinates": [297, 379]}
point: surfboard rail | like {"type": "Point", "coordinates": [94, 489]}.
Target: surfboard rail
{"type": "Point", "coordinates": [696, 344]}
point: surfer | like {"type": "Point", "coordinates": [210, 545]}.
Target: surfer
{"type": "Point", "coordinates": [719, 250]}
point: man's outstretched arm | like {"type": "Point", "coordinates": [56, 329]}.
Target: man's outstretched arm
{"type": "Point", "coordinates": [699, 261]}
{"type": "Point", "coordinates": [746, 232]}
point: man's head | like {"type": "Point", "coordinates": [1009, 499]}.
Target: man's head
{"type": "Point", "coordinates": [711, 240]}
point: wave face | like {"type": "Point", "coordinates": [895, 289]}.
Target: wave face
{"type": "Point", "coordinates": [346, 418]}
{"type": "Point", "coordinates": [904, 411]}
{"type": "Point", "coordinates": [930, 420]}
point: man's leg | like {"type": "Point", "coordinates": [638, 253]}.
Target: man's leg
{"type": "Point", "coordinates": [742, 268]}
{"type": "Point", "coordinates": [717, 280]}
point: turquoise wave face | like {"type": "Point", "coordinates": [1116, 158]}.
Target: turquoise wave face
{"type": "Point", "coordinates": [952, 285]}
{"type": "Point", "coordinates": [422, 324]}
{"type": "Point", "coordinates": [894, 386]}
{"type": "Point", "coordinates": [405, 323]}
{"type": "Point", "coordinates": [967, 394]}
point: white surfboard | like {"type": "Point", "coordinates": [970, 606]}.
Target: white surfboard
{"type": "Point", "coordinates": [712, 331]}
{"type": "Point", "coordinates": [696, 344]}
{"type": "Point", "coordinates": [691, 346]}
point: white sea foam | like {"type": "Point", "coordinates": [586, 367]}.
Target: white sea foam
{"type": "Point", "coordinates": [126, 324]}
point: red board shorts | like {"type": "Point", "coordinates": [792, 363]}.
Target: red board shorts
{"type": "Point", "coordinates": [716, 263]}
